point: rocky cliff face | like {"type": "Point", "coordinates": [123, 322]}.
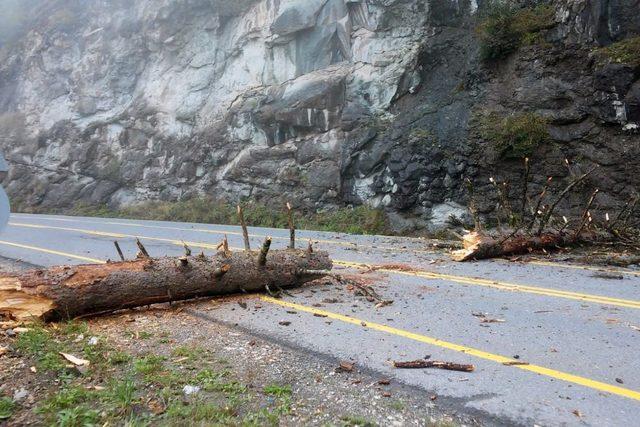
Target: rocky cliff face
{"type": "Point", "coordinates": [322, 102]}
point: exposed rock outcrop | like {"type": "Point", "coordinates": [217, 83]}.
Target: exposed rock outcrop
{"type": "Point", "coordinates": [323, 102]}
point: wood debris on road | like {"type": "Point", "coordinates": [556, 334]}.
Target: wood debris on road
{"type": "Point", "coordinates": [420, 364]}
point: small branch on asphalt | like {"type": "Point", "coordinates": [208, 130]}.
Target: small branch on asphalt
{"type": "Point", "coordinates": [421, 364]}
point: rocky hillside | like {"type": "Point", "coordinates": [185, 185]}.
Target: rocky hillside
{"type": "Point", "coordinates": [389, 103]}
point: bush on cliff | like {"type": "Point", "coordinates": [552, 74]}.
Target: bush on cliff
{"type": "Point", "coordinates": [626, 52]}
{"type": "Point", "coordinates": [504, 27]}
{"type": "Point", "coordinates": [515, 136]}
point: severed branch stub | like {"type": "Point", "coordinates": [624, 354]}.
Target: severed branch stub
{"type": "Point", "coordinates": [420, 364]}
{"type": "Point", "coordinates": [262, 257]}
{"type": "Point", "coordinates": [117, 245]}
{"type": "Point", "coordinates": [143, 250]}
{"type": "Point", "coordinates": [65, 292]}
{"type": "Point", "coordinates": [245, 232]}
{"type": "Point", "coordinates": [292, 227]}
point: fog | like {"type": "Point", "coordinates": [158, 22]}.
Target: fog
{"type": "Point", "coordinates": [14, 17]}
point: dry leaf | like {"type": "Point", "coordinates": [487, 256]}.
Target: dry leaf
{"type": "Point", "coordinates": [75, 360]}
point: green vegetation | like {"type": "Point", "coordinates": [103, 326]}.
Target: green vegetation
{"type": "Point", "coordinates": [278, 390]}
{"type": "Point", "coordinates": [356, 421]}
{"type": "Point", "coordinates": [7, 406]}
{"type": "Point", "coordinates": [358, 220]}
{"type": "Point", "coordinates": [140, 390]}
{"type": "Point", "coordinates": [199, 412]}
{"type": "Point", "coordinates": [515, 136]}
{"type": "Point", "coordinates": [41, 344]}
{"type": "Point", "coordinates": [626, 51]}
{"type": "Point", "coordinates": [505, 27]}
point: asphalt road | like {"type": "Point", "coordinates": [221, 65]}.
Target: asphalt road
{"type": "Point", "coordinates": [573, 330]}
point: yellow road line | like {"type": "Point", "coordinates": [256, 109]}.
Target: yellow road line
{"type": "Point", "coordinates": [583, 267]}
{"type": "Point", "coordinates": [598, 299]}
{"type": "Point", "coordinates": [51, 251]}
{"type": "Point", "coordinates": [502, 285]}
{"type": "Point", "coordinates": [552, 373]}
{"type": "Point", "coordinates": [236, 233]}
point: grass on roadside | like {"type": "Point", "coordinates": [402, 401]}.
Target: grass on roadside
{"type": "Point", "coordinates": [357, 220]}
{"type": "Point", "coordinates": [118, 387]}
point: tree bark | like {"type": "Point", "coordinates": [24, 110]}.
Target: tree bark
{"type": "Point", "coordinates": [71, 291]}
{"type": "Point", "coordinates": [483, 246]}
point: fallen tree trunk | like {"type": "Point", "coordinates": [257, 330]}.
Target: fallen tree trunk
{"type": "Point", "coordinates": [483, 246]}
{"type": "Point", "coordinates": [72, 291]}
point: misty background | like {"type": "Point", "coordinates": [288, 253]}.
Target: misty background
{"type": "Point", "coordinates": [15, 16]}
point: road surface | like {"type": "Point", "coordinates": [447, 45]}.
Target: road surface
{"type": "Point", "coordinates": [564, 350]}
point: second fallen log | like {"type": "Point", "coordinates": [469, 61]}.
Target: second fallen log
{"type": "Point", "coordinates": [72, 291]}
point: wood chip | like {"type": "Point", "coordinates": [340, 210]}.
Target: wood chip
{"type": "Point", "coordinates": [345, 367]}
{"type": "Point", "coordinates": [284, 323]}
{"type": "Point", "coordinates": [515, 363]}
{"type": "Point", "coordinates": [75, 360]}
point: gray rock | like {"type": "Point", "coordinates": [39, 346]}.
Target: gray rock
{"type": "Point", "coordinates": [328, 102]}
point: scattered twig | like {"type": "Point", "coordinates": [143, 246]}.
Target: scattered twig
{"type": "Point", "coordinates": [420, 364]}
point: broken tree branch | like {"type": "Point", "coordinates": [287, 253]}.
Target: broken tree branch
{"type": "Point", "coordinates": [545, 220]}
{"type": "Point", "coordinates": [536, 211]}
{"type": "Point", "coordinates": [245, 232]}
{"type": "Point", "coordinates": [420, 364]}
{"type": "Point", "coordinates": [525, 190]}
{"type": "Point", "coordinates": [117, 245]}
{"type": "Point", "coordinates": [586, 215]}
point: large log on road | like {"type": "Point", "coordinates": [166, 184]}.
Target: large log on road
{"type": "Point", "coordinates": [72, 291]}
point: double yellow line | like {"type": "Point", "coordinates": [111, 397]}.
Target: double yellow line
{"type": "Point", "coordinates": [505, 286]}
{"type": "Point", "coordinates": [236, 233]}
{"type": "Point", "coordinates": [541, 370]}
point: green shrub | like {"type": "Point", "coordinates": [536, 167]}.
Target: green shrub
{"type": "Point", "coordinates": [626, 51]}
{"type": "Point", "coordinates": [505, 27]}
{"type": "Point", "coordinates": [514, 136]}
